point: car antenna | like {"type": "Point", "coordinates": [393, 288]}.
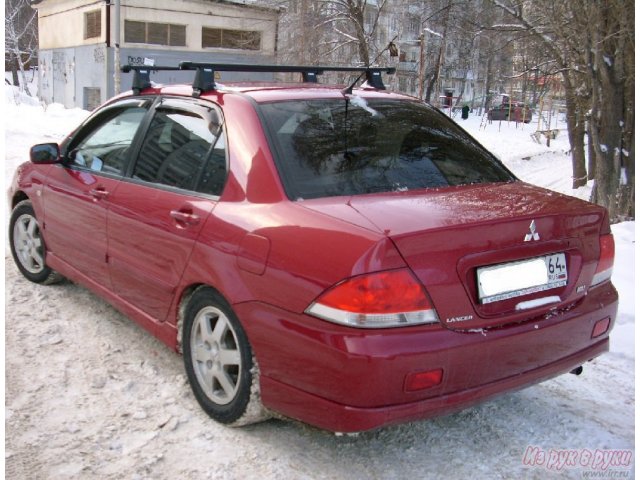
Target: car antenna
{"type": "Point", "coordinates": [349, 89]}
{"type": "Point", "coordinates": [374, 77]}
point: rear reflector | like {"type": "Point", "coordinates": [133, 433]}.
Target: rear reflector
{"type": "Point", "coordinates": [422, 380]}
{"type": "Point", "coordinates": [600, 327]}
{"type": "Point", "coordinates": [605, 262]}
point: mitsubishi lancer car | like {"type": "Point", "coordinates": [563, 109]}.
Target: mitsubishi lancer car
{"type": "Point", "coordinates": [338, 254]}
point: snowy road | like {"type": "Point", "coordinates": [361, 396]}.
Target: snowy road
{"type": "Point", "coordinates": [91, 395]}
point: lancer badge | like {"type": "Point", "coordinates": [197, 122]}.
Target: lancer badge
{"type": "Point", "coordinates": [533, 235]}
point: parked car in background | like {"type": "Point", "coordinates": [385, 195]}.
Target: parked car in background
{"type": "Point", "coordinates": [514, 112]}
{"type": "Point", "coordinates": [344, 256]}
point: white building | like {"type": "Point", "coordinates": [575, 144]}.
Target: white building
{"type": "Point", "coordinates": [77, 39]}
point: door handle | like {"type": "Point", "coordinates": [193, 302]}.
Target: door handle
{"type": "Point", "coordinates": [99, 193]}
{"type": "Point", "coordinates": [185, 217]}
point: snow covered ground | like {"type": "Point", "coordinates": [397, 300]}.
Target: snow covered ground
{"type": "Point", "coordinates": [91, 395]}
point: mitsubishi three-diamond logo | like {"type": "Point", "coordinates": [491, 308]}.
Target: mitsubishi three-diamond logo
{"type": "Point", "coordinates": [533, 235]}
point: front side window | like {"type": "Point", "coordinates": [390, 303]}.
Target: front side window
{"type": "Point", "coordinates": [185, 150]}
{"type": "Point", "coordinates": [337, 147]}
{"type": "Point", "coordinates": [106, 146]}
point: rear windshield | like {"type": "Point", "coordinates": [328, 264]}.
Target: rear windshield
{"type": "Point", "coordinates": [333, 147]}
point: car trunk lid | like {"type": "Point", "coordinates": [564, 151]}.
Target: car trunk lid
{"type": "Point", "coordinates": [448, 236]}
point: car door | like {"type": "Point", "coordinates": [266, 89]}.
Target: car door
{"type": "Point", "coordinates": [157, 212]}
{"type": "Point", "coordinates": [76, 192]}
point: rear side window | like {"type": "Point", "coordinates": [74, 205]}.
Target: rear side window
{"type": "Point", "coordinates": [183, 149]}
{"type": "Point", "coordinates": [338, 147]}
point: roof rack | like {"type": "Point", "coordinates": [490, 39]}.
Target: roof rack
{"type": "Point", "coordinates": [204, 79]}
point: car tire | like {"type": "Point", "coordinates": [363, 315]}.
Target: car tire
{"type": "Point", "coordinates": [219, 361]}
{"type": "Point", "coordinates": [28, 247]}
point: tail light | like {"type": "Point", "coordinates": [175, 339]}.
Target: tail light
{"type": "Point", "coordinates": [605, 262]}
{"type": "Point", "coordinates": [393, 298]}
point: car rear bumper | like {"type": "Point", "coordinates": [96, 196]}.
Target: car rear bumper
{"type": "Point", "coordinates": [349, 380]}
{"type": "Point", "coordinates": [344, 418]}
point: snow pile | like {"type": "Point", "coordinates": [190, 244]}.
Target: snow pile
{"type": "Point", "coordinates": [28, 122]}
{"type": "Point", "coordinates": [16, 96]}
{"type": "Point", "coordinates": [623, 337]}
{"type": "Point", "coordinates": [532, 162]}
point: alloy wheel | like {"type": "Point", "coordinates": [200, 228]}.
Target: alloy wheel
{"type": "Point", "coordinates": [216, 355]}
{"type": "Point", "coordinates": [28, 243]}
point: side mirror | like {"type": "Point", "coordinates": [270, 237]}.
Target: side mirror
{"type": "Point", "coordinates": [45, 153]}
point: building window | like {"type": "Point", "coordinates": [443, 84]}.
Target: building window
{"type": "Point", "coordinates": [237, 39]}
{"type": "Point", "coordinates": [369, 16]}
{"type": "Point", "coordinates": [414, 26]}
{"type": "Point", "coordinates": [158, 33]}
{"type": "Point", "coordinates": [177, 35]}
{"type": "Point", "coordinates": [91, 98]}
{"type": "Point", "coordinates": [135, 32]}
{"type": "Point", "coordinates": [92, 24]}
{"type": "Point", "coordinates": [155, 33]}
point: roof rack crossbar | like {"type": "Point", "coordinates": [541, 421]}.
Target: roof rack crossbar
{"type": "Point", "coordinates": [309, 73]}
{"type": "Point", "coordinates": [205, 73]}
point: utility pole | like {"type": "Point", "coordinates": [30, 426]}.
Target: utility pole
{"type": "Point", "coordinates": [116, 49]}
{"type": "Point", "coordinates": [435, 79]}
{"type": "Point", "coordinates": [421, 66]}
{"type": "Point", "coordinates": [535, 86]}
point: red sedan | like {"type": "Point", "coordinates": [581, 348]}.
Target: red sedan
{"type": "Point", "coordinates": [348, 257]}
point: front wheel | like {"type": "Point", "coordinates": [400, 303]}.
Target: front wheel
{"type": "Point", "coordinates": [27, 245]}
{"type": "Point", "coordinates": [219, 361]}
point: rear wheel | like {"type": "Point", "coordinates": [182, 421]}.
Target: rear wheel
{"type": "Point", "coordinates": [219, 361]}
{"type": "Point", "coordinates": [27, 245]}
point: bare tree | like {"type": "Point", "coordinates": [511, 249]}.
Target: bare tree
{"type": "Point", "coordinates": [20, 37]}
{"type": "Point", "coordinates": [592, 43]}
{"type": "Point", "coordinates": [355, 23]}
{"type": "Point", "coordinates": [337, 31]}
{"type": "Point", "coordinates": [300, 39]}
{"type": "Point", "coordinates": [611, 65]}
{"type": "Point", "coordinates": [435, 76]}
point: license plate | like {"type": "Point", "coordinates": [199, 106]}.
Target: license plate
{"type": "Point", "coordinates": [515, 279]}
